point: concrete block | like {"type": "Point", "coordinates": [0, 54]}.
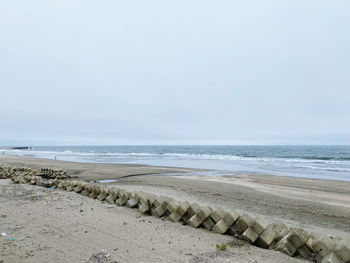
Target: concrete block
{"type": "Point", "coordinates": [159, 211]}
{"type": "Point", "coordinates": [93, 195]}
{"type": "Point", "coordinates": [113, 191]}
{"type": "Point", "coordinates": [191, 211]}
{"type": "Point", "coordinates": [175, 217]}
{"type": "Point", "coordinates": [46, 183]}
{"type": "Point", "coordinates": [85, 192]}
{"type": "Point", "coordinates": [132, 203]}
{"type": "Point", "coordinates": [241, 225]}
{"type": "Point", "coordinates": [121, 200]}
{"type": "Point", "coordinates": [102, 196]}
{"type": "Point", "coordinates": [78, 188]}
{"type": "Point", "coordinates": [208, 223]}
{"type": "Point", "coordinates": [194, 209]}
{"type": "Point", "coordinates": [272, 246]}
{"type": "Point", "coordinates": [204, 213]}
{"type": "Point", "coordinates": [173, 206]}
{"type": "Point", "coordinates": [186, 217]}
{"type": "Point", "coordinates": [342, 249]}
{"type": "Point", "coordinates": [161, 201]}
{"type": "Point", "coordinates": [221, 227]}
{"type": "Point", "coordinates": [97, 189]}
{"type": "Point", "coordinates": [304, 252]}
{"type": "Point", "coordinates": [38, 182]}
{"type": "Point", "coordinates": [298, 237]}
{"type": "Point", "coordinates": [27, 178]}
{"type": "Point", "coordinates": [179, 212]}
{"type": "Point", "coordinates": [152, 199]}
{"type": "Point", "coordinates": [159, 206]}
{"type": "Point", "coordinates": [22, 180]}
{"type": "Point", "coordinates": [110, 199]}
{"type": "Point", "coordinates": [144, 199]}
{"type": "Point", "coordinates": [195, 221]}
{"type": "Point", "coordinates": [285, 246]}
{"type": "Point", "coordinates": [218, 214]}
{"type": "Point", "coordinates": [122, 193]}
{"type": "Point", "coordinates": [144, 208]}
{"type": "Point", "coordinates": [267, 237]}
{"type": "Point", "coordinates": [331, 258]}
{"type": "Point", "coordinates": [84, 185]}
{"type": "Point", "coordinates": [74, 183]}
{"type": "Point", "coordinates": [323, 245]}
{"type": "Point", "coordinates": [281, 231]}
{"type": "Point", "coordinates": [128, 195]}
{"type": "Point", "coordinates": [309, 243]}
{"type": "Point", "coordinates": [93, 188]}
{"type": "Point", "coordinates": [260, 225]}
{"type": "Point", "coordinates": [231, 217]}
{"type": "Point", "coordinates": [249, 235]}
{"type": "Point", "coordinates": [15, 179]}
{"type": "Point", "coordinates": [182, 209]}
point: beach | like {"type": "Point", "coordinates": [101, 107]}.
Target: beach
{"type": "Point", "coordinates": [175, 131]}
{"type": "Point", "coordinates": [322, 206]}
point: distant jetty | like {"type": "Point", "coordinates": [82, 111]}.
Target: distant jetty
{"type": "Point", "coordinates": [20, 148]}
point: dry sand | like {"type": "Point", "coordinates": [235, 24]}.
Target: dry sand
{"type": "Point", "coordinates": [316, 205]}
{"type": "Point", "coordinates": [56, 226]}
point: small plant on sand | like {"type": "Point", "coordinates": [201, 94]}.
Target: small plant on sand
{"type": "Point", "coordinates": [221, 247]}
{"type": "Point", "coordinates": [81, 210]}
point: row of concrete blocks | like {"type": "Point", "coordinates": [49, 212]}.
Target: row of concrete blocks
{"type": "Point", "coordinates": [277, 236]}
{"type": "Point", "coordinates": [47, 173]}
{"type": "Point", "coordinates": [53, 173]}
{"type": "Point", "coordinates": [33, 180]}
{"type": "Point", "coordinates": [8, 172]}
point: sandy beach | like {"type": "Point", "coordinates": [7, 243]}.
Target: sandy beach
{"type": "Point", "coordinates": [56, 226]}
{"type": "Point", "coordinates": [175, 131]}
{"type": "Point", "coordinates": [66, 227]}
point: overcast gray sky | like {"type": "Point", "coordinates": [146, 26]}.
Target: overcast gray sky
{"type": "Point", "coordinates": [187, 72]}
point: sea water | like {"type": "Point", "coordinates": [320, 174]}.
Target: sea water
{"type": "Point", "coordinates": [324, 162]}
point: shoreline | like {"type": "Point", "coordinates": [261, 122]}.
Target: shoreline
{"type": "Point", "coordinates": [86, 170]}
{"type": "Point", "coordinates": [34, 161]}
{"type": "Point", "coordinates": [300, 162]}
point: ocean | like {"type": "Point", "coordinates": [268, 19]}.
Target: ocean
{"type": "Point", "coordinates": [323, 162]}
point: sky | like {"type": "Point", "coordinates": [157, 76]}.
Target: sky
{"type": "Point", "coordinates": [76, 72]}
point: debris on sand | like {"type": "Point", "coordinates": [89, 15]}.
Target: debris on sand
{"type": "Point", "coordinates": [101, 257]}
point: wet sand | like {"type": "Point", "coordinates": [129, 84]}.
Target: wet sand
{"type": "Point", "coordinates": [89, 171]}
